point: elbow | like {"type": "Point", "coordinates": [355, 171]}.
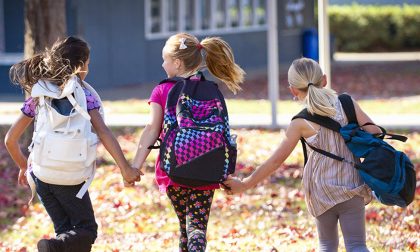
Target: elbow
{"type": "Point", "coordinates": [152, 130]}
{"type": "Point", "coordinates": [8, 141]}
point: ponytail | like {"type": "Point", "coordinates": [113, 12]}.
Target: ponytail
{"type": "Point", "coordinates": [320, 100]}
{"type": "Point", "coordinates": [306, 74]}
{"type": "Point", "coordinates": [221, 63]}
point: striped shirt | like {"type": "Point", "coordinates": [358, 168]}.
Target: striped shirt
{"type": "Point", "coordinates": [326, 181]}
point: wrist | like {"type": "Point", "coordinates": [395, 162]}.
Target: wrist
{"type": "Point", "coordinates": [247, 183]}
{"type": "Point", "coordinates": [124, 169]}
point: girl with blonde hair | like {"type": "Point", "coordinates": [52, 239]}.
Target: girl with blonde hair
{"type": "Point", "coordinates": [182, 57]}
{"type": "Point", "coordinates": [334, 191]}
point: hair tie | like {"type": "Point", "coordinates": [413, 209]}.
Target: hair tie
{"type": "Point", "coordinates": [182, 43]}
{"type": "Point", "coordinates": [310, 84]}
{"type": "Point", "coordinates": [199, 46]}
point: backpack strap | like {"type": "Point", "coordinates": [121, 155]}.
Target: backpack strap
{"type": "Point", "coordinates": [177, 79]}
{"type": "Point", "coordinates": [77, 107]}
{"type": "Point", "coordinates": [174, 80]}
{"type": "Point", "coordinates": [322, 121]}
{"type": "Point", "coordinates": [348, 107]}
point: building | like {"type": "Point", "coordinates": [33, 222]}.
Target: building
{"type": "Point", "coordinates": [127, 36]}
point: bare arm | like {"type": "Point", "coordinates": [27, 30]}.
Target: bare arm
{"type": "Point", "coordinates": [149, 135]}
{"type": "Point", "coordinates": [292, 137]}
{"type": "Point", "coordinates": [112, 146]}
{"type": "Point", "coordinates": [12, 144]}
{"type": "Point", "coordinates": [363, 118]}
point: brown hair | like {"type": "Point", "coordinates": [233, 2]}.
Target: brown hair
{"type": "Point", "coordinates": [56, 64]}
{"type": "Point", "coordinates": [219, 58]}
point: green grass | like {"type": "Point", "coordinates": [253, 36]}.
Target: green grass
{"type": "Point", "coordinates": [408, 105]}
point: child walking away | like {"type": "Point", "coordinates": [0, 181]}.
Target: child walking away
{"type": "Point", "coordinates": [61, 164]}
{"type": "Point", "coordinates": [193, 127]}
{"type": "Point", "coordinates": [334, 191]}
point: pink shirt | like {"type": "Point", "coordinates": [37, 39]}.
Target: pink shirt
{"type": "Point", "coordinates": [159, 95]}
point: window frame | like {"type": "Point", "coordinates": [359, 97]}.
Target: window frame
{"type": "Point", "coordinates": [197, 27]}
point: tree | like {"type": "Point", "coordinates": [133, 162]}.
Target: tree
{"type": "Point", "coordinates": [45, 22]}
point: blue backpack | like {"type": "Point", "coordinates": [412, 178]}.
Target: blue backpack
{"type": "Point", "coordinates": [196, 148]}
{"type": "Point", "coordinates": [388, 172]}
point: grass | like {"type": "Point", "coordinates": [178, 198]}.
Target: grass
{"type": "Point", "coordinates": [407, 105]}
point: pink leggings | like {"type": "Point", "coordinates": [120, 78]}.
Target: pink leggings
{"type": "Point", "coordinates": [351, 214]}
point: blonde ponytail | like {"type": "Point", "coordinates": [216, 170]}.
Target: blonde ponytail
{"type": "Point", "coordinates": [221, 63]}
{"type": "Point", "coordinates": [306, 74]}
{"type": "Point", "coordinates": [219, 57]}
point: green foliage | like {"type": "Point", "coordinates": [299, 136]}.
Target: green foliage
{"type": "Point", "coordinates": [375, 28]}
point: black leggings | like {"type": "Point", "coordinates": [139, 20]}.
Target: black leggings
{"type": "Point", "coordinates": [193, 207]}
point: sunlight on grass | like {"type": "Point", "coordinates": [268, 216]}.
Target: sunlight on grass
{"type": "Point", "coordinates": [408, 105]}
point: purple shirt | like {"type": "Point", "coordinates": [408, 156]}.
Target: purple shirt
{"type": "Point", "coordinates": [159, 95]}
{"type": "Point", "coordinates": [30, 104]}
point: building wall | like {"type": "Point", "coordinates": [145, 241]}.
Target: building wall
{"type": "Point", "coordinates": [121, 54]}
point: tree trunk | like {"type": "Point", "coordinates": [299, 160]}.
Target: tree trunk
{"type": "Point", "coordinates": [45, 22]}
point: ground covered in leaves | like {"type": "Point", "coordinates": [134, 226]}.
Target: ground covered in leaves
{"type": "Point", "coordinates": [272, 217]}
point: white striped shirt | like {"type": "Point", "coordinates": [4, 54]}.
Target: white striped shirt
{"type": "Point", "coordinates": [326, 181]}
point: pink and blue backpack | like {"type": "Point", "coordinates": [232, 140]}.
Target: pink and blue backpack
{"type": "Point", "coordinates": [196, 148]}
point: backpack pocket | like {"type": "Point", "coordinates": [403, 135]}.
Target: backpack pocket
{"type": "Point", "coordinates": [68, 150]}
{"type": "Point", "coordinates": [61, 153]}
{"type": "Point", "coordinates": [193, 113]}
{"type": "Point", "coordinates": [192, 143]}
{"type": "Point", "coordinates": [203, 170]}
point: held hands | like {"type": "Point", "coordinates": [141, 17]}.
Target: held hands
{"type": "Point", "coordinates": [234, 185]}
{"type": "Point", "coordinates": [131, 175]}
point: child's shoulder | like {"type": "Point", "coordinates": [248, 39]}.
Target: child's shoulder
{"type": "Point", "coordinates": [29, 107]}
{"type": "Point", "coordinates": [163, 87]}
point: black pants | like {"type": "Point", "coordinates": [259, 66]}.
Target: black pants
{"type": "Point", "coordinates": [193, 209]}
{"type": "Point", "coordinates": [73, 218]}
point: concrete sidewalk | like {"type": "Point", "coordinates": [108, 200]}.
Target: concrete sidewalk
{"type": "Point", "coordinates": [10, 111]}
{"type": "Point", "coordinates": [10, 104]}
{"type": "Point", "coordinates": [376, 57]}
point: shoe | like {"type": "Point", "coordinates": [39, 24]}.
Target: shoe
{"type": "Point", "coordinates": [44, 245]}
{"type": "Point", "coordinates": [50, 245]}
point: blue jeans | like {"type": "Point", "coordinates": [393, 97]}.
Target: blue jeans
{"type": "Point", "coordinates": [68, 213]}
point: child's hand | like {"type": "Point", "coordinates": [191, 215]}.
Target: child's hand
{"type": "Point", "coordinates": [234, 185]}
{"type": "Point", "coordinates": [131, 175]}
{"type": "Point", "coordinates": [22, 177]}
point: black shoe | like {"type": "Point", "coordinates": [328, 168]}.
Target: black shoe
{"type": "Point", "coordinates": [50, 245]}
{"type": "Point", "coordinates": [44, 246]}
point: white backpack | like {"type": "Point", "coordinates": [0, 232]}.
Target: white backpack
{"type": "Point", "coordinates": [63, 148]}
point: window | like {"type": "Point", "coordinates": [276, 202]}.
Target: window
{"type": "Point", "coordinates": [294, 14]}
{"type": "Point", "coordinates": [203, 17]}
